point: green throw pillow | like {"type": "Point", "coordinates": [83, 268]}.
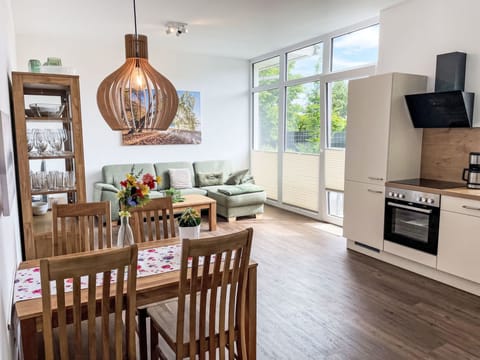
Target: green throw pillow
{"type": "Point", "coordinates": [236, 177]}
{"type": "Point", "coordinates": [210, 179]}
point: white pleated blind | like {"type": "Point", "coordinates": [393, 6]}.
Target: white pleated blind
{"type": "Point", "coordinates": [265, 171]}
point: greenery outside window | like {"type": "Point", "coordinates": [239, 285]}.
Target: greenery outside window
{"type": "Point", "coordinates": [266, 72]}
{"type": "Point", "coordinates": [265, 108]}
{"type": "Point", "coordinates": [303, 118]}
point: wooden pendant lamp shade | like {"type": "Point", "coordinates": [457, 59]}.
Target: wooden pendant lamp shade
{"type": "Point", "coordinates": [136, 97]}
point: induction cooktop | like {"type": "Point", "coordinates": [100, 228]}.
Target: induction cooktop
{"type": "Point", "coordinates": [430, 183]}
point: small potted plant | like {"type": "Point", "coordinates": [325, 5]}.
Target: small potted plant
{"type": "Point", "coordinates": [189, 224]}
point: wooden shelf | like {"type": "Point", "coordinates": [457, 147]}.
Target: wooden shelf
{"type": "Point", "coordinates": [36, 230]}
{"type": "Point", "coordinates": [64, 155]}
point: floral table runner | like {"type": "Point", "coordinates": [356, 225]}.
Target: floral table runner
{"type": "Point", "coordinates": [150, 262]}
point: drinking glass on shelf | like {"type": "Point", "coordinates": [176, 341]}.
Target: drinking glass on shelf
{"type": "Point", "coordinates": [30, 140]}
{"type": "Point", "coordinates": [55, 140]}
{"type": "Point", "coordinates": [38, 180]}
{"type": "Point", "coordinates": [63, 135]}
{"type": "Point", "coordinates": [70, 179]}
{"type": "Point", "coordinates": [41, 141]}
{"type": "Point", "coordinates": [51, 180]}
{"type": "Point", "coordinates": [60, 181]}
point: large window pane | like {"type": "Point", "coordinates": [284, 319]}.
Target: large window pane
{"type": "Point", "coordinates": [265, 119]}
{"type": "Point", "coordinates": [303, 118]}
{"type": "Point", "coordinates": [337, 97]}
{"type": "Point", "coordinates": [355, 49]}
{"type": "Point", "coordinates": [266, 72]}
{"type": "Point", "coordinates": [304, 62]}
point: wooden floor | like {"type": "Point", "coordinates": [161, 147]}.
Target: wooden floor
{"type": "Point", "coordinates": [317, 300]}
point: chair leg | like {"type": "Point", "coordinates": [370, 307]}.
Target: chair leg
{"type": "Point", "coordinates": [154, 342]}
{"type": "Point", "coordinates": [142, 332]}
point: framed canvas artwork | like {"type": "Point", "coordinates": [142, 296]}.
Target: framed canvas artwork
{"type": "Point", "coordinates": [184, 129]}
{"type": "Point", "coordinates": [7, 165]}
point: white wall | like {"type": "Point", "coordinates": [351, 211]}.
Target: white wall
{"type": "Point", "coordinates": [414, 32]}
{"type": "Point", "coordinates": [9, 228]}
{"type": "Point", "coordinates": [222, 82]}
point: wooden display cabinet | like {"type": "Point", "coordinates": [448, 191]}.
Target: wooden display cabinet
{"type": "Point", "coordinates": [61, 92]}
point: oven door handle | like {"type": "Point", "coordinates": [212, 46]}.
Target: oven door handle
{"type": "Point", "coordinates": [409, 208]}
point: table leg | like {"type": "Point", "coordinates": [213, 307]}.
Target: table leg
{"type": "Point", "coordinates": [212, 216]}
{"type": "Point", "coordinates": [251, 323]}
{"type": "Point", "coordinates": [142, 332]}
{"type": "Point", "coordinates": [29, 345]}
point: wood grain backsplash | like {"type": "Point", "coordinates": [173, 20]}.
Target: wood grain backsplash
{"type": "Point", "coordinates": [445, 152]}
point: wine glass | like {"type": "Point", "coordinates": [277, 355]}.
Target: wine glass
{"type": "Point", "coordinates": [31, 140]}
{"type": "Point", "coordinates": [55, 140]}
{"type": "Point", "coordinates": [41, 141]}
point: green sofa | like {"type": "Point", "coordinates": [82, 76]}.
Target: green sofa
{"type": "Point", "coordinates": [243, 199]}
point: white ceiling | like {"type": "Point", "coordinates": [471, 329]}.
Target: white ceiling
{"type": "Point", "coordinates": [232, 28]}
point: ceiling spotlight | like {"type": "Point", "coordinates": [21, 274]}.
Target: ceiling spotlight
{"type": "Point", "coordinates": [176, 27]}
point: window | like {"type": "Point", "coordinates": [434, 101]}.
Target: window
{"type": "Point", "coordinates": [265, 113]}
{"type": "Point", "coordinates": [299, 119]}
{"type": "Point", "coordinates": [358, 48]}
{"type": "Point", "coordinates": [266, 72]}
{"type": "Point", "coordinates": [305, 62]}
{"type": "Point", "coordinates": [335, 203]}
{"type": "Point", "coordinates": [337, 98]}
{"type": "Point", "coordinates": [303, 118]}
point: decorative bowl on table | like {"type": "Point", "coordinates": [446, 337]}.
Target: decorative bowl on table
{"type": "Point", "coordinates": [39, 208]}
{"type": "Point", "coordinates": [50, 110]}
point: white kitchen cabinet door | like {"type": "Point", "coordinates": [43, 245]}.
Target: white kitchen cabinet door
{"type": "Point", "coordinates": [368, 116]}
{"type": "Point", "coordinates": [364, 208]}
{"type": "Point", "coordinates": [459, 245]}
{"type": "Point", "coordinates": [382, 143]}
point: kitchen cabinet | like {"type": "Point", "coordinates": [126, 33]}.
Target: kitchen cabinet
{"type": "Point", "coordinates": [381, 145]}
{"type": "Point", "coordinates": [49, 151]}
{"type": "Point", "coordinates": [364, 211]}
{"type": "Point", "coordinates": [458, 242]}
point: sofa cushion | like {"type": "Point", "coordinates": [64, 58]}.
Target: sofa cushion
{"type": "Point", "coordinates": [236, 177]}
{"type": "Point", "coordinates": [211, 166]}
{"type": "Point", "coordinates": [180, 178]}
{"type": "Point", "coordinates": [197, 191]}
{"type": "Point", "coordinates": [237, 200]}
{"type": "Point", "coordinates": [233, 190]}
{"type": "Point", "coordinates": [161, 169]}
{"type": "Point", "coordinates": [210, 179]}
{"type": "Point", "coordinates": [113, 174]}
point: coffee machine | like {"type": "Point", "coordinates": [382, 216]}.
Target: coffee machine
{"type": "Point", "coordinates": [472, 174]}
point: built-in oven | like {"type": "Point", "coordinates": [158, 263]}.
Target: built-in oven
{"type": "Point", "coordinates": [412, 219]}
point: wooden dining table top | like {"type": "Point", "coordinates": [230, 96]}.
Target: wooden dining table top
{"type": "Point", "coordinates": [159, 286]}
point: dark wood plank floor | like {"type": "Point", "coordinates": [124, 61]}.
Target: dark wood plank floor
{"type": "Point", "coordinates": [317, 300]}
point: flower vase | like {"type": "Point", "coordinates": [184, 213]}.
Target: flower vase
{"type": "Point", "coordinates": [125, 233]}
{"type": "Point", "coordinates": [189, 232]}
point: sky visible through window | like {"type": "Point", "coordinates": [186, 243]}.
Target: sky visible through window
{"type": "Point", "coordinates": [355, 49]}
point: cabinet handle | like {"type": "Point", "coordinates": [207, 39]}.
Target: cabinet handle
{"type": "Point", "coordinates": [375, 178]}
{"type": "Point", "coordinates": [377, 191]}
{"type": "Point", "coordinates": [470, 207]}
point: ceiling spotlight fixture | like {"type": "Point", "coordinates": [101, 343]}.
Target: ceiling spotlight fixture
{"type": "Point", "coordinates": [177, 28]}
{"type": "Point", "coordinates": [136, 97]}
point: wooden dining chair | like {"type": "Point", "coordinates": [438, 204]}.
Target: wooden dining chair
{"type": "Point", "coordinates": [209, 315]}
{"type": "Point", "coordinates": [91, 302]}
{"type": "Point", "coordinates": [154, 220]}
{"type": "Point", "coordinates": [81, 227]}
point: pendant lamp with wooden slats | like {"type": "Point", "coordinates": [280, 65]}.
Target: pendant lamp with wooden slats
{"type": "Point", "coordinates": [136, 97]}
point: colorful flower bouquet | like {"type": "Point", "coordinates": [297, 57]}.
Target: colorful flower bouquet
{"type": "Point", "coordinates": [135, 191]}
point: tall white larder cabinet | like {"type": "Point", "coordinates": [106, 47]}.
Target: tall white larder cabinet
{"type": "Point", "coordinates": [381, 145]}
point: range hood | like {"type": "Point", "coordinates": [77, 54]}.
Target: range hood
{"type": "Point", "coordinates": [449, 106]}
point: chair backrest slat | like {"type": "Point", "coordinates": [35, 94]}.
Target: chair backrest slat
{"type": "Point", "coordinates": [153, 221]}
{"type": "Point", "coordinates": [65, 268]}
{"type": "Point", "coordinates": [215, 289]}
{"type": "Point", "coordinates": [81, 227]}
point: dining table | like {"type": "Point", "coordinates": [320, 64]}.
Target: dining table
{"type": "Point", "coordinates": [153, 287]}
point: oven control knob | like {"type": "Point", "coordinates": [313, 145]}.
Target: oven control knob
{"type": "Point", "coordinates": [419, 199]}
{"type": "Point", "coordinates": [401, 196]}
{"type": "Point", "coordinates": [390, 193]}
{"type": "Point", "coordinates": [430, 201]}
